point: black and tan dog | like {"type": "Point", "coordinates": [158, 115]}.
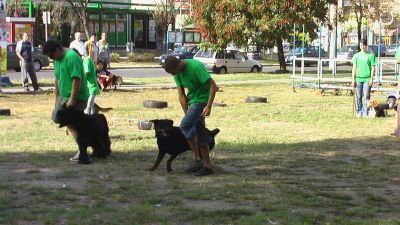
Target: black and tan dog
{"type": "Point", "coordinates": [380, 109]}
{"type": "Point", "coordinates": [91, 130]}
{"type": "Point", "coordinates": [171, 140]}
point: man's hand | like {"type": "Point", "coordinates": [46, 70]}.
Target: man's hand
{"type": "Point", "coordinates": [70, 103]}
{"type": "Point", "coordinates": [371, 82]}
{"type": "Point", "coordinates": [353, 84]}
{"type": "Point", "coordinates": [206, 111]}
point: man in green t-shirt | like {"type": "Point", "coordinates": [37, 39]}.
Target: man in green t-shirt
{"type": "Point", "coordinates": [363, 77]}
{"type": "Point", "coordinates": [192, 75]}
{"type": "Point", "coordinates": [70, 82]}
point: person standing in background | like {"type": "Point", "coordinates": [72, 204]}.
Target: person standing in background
{"type": "Point", "coordinates": [91, 48]}
{"type": "Point", "coordinates": [104, 51]}
{"type": "Point", "coordinates": [24, 51]}
{"type": "Point", "coordinates": [78, 44]}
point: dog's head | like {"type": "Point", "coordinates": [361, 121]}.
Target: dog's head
{"type": "Point", "coordinates": [373, 103]}
{"type": "Point", "coordinates": [162, 126]}
{"type": "Point", "coordinates": [68, 116]}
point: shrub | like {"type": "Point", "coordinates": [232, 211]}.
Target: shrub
{"type": "Point", "coordinates": [132, 57]}
{"type": "Point", "coordinates": [114, 57]}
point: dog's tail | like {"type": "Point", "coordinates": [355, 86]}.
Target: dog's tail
{"type": "Point", "coordinates": [101, 109]}
{"type": "Point", "coordinates": [215, 132]}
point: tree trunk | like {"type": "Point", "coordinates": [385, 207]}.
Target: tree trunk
{"type": "Point", "coordinates": [359, 33]}
{"type": "Point", "coordinates": [281, 55]}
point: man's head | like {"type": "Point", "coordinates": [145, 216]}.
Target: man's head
{"type": "Point", "coordinates": [173, 65]}
{"type": "Point", "coordinates": [363, 45]}
{"type": "Point", "coordinates": [100, 65]}
{"type": "Point", "coordinates": [78, 36]}
{"type": "Point", "coordinates": [93, 36]}
{"type": "Point", "coordinates": [53, 49]}
{"type": "Point", "coordinates": [25, 36]}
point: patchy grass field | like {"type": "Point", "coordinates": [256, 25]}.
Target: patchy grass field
{"type": "Point", "coordinates": [302, 158]}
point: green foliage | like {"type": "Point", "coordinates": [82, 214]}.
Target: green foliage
{"type": "Point", "coordinates": [144, 57]}
{"type": "Point", "coordinates": [114, 57]}
{"type": "Point", "coordinates": [131, 56]}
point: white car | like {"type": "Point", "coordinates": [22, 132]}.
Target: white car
{"type": "Point", "coordinates": [227, 61]}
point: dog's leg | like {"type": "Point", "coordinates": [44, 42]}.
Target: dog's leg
{"type": "Point", "coordinates": [83, 156]}
{"type": "Point", "coordinates": [158, 160]}
{"type": "Point", "coordinates": [169, 168]}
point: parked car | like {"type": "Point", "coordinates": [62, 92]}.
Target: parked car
{"type": "Point", "coordinates": [390, 50]}
{"type": "Point", "coordinates": [227, 61]}
{"type": "Point", "coordinates": [346, 53]}
{"type": "Point", "coordinates": [39, 60]}
{"type": "Point", "coordinates": [183, 52]}
{"type": "Point", "coordinates": [309, 52]}
{"type": "Point", "coordinates": [374, 49]}
{"type": "Point", "coordinates": [254, 53]}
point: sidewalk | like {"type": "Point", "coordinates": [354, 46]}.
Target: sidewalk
{"type": "Point", "coordinates": [18, 90]}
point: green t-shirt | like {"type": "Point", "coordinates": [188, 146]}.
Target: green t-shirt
{"type": "Point", "coordinates": [397, 56]}
{"type": "Point", "coordinates": [69, 67]}
{"type": "Point", "coordinates": [364, 62]}
{"type": "Point", "coordinates": [90, 72]}
{"type": "Point", "coordinates": [195, 78]}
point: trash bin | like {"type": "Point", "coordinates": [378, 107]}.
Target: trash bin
{"type": "Point", "coordinates": [128, 47]}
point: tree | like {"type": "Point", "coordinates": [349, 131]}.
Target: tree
{"type": "Point", "coordinates": [265, 22]}
{"type": "Point", "coordinates": [164, 15]}
{"type": "Point", "coordinates": [80, 9]}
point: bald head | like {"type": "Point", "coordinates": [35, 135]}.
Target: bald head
{"type": "Point", "coordinates": [78, 36]}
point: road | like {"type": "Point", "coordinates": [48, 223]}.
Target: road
{"type": "Point", "coordinates": [150, 72]}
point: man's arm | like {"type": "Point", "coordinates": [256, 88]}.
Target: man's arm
{"type": "Point", "coordinates": [213, 91]}
{"type": "Point", "coordinates": [353, 75]}
{"type": "Point", "coordinates": [56, 91]}
{"type": "Point", "coordinates": [182, 98]}
{"type": "Point", "coordinates": [372, 75]}
{"type": "Point", "coordinates": [76, 86]}
{"type": "Point", "coordinates": [18, 51]}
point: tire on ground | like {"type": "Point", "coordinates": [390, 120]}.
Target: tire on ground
{"type": "Point", "coordinates": [5, 112]}
{"type": "Point", "coordinates": [155, 104]}
{"type": "Point", "coordinates": [255, 99]}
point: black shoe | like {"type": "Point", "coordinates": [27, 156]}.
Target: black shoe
{"type": "Point", "coordinates": [196, 166]}
{"type": "Point", "coordinates": [26, 89]}
{"type": "Point", "coordinates": [38, 90]}
{"type": "Point", "coordinates": [204, 172]}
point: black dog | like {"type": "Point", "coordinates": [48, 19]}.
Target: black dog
{"type": "Point", "coordinates": [91, 131]}
{"type": "Point", "coordinates": [171, 140]}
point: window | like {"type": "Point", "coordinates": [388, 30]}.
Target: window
{"type": "Point", "coordinates": [239, 55]}
{"type": "Point", "coordinates": [205, 54]}
{"type": "Point", "coordinates": [229, 55]}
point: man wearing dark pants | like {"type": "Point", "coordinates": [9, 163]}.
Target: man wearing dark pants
{"type": "Point", "coordinates": [70, 82]}
{"type": "Point", "coordinates": [196, 105]}
{"type": "Point", "coordinates": [24, 50]}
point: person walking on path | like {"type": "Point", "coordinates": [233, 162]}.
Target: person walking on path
{"type": "Point", "coordinates": [78, 44]}
{"type": "Point", "coordinates": [363, 77]}
{"type": "Point", "coordinates": [91, 48]}
{"type": "Point", "coordinates": [70, 82]}
{"type": "Point", "coordinates": [196, 105]}
{"type": "Point", "coordinates": [24, 51]}
{"type": "Point", "coordinates": [104, 51]}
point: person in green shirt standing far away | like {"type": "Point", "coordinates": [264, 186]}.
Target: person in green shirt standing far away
{"type": "Point", "coordinates": [70, 81]}
{"type": "Point", "coordinates": [192, 75]}
{"type": "Point", "coordinates": [363, 77]}
{"type": "Point", "coordinates": [397, 130]}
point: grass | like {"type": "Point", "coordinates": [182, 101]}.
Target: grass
{"type": "Point", "coordinates": [302, 158]}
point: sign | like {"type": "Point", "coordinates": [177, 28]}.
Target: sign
{"type": "Point", "coordinates": [112, 27]}
{"type": "Point", "coordinates": [96, 27]}
{"type": "Point", "coordinates": [197, 37]}
{"type": "Point", "coordinates": [189, 37]}
{"type": "Point", "coordinates": [120, 27]}
{"type": "Point", "coordinates": [46, 17]}
{"type": "Point", "coordinates": [105, 27]}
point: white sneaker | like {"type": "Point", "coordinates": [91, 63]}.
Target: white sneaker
{"type": "Point", "coordinates": [75, 158]}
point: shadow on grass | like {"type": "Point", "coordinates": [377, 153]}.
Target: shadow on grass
{"type": "Point", "coordinates": [338, 181]}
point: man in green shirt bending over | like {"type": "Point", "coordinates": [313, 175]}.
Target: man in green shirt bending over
{"type": "Point", "coordinates": [70, 81]}
{"type": "Point", "coordinates": [192, 75]}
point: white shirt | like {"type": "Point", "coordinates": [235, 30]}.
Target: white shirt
{"type": "Point", "coordinates": [78, 45]}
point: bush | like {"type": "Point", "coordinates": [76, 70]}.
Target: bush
{"type": "Point", "coordinates": [114, 57]}
{"type": "Point", "coordinates": [132, 57]}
